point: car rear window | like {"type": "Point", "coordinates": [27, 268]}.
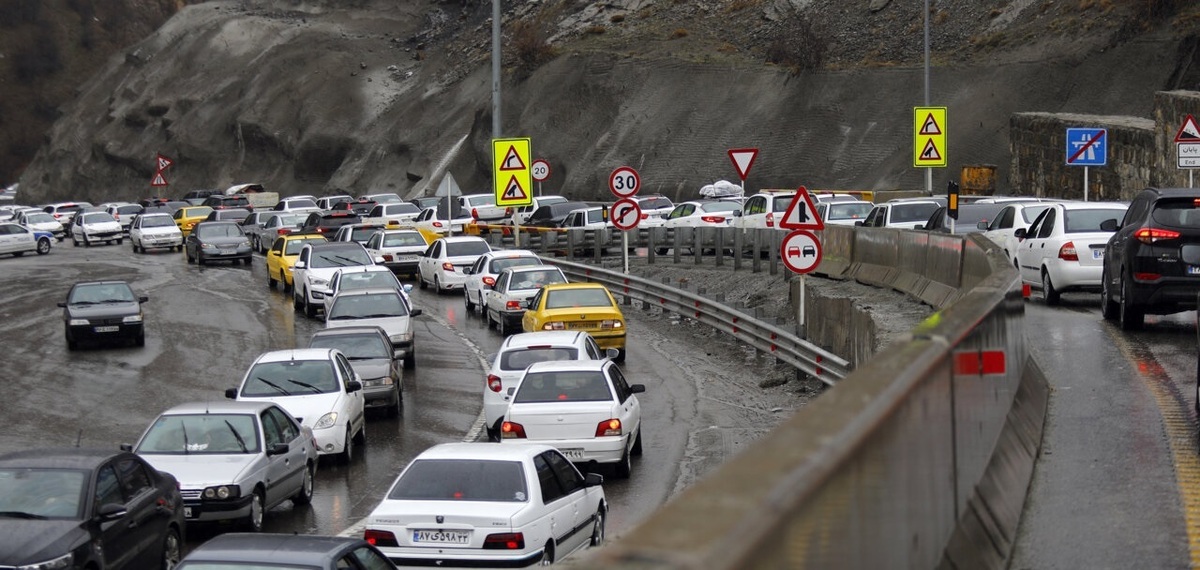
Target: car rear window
{"type": "Point", "coordinates": [1030, 213]}
{"type": "Point", "coordinates": [367, 307]}
{"type": "Point", "coordinates": [848, 211]}
{"type": "Point", "coordinates": [535, 279]}
{"type": "Point", "coordinates": [521, 358]}
{"type": "Point", "coordinates": [404, 239]}
{"type": "Point", "coordinates": [563, 386]}
{"type": "Point", "coordinates": [1177, 212]}
{"type": "Point", "coordinates": [567, 298]}
{"type": "Point", "coordinates": [363, 234]}
{"type": "Point", "coordinates": [912, 212]}
{"type": "Point", "coordinates": [460, 248]}
{"type": "Point", "coordinates": [501, 263]}
{"type": "Point", "coordinates": [1082, 221]}
{"type": "Point", "coordinates": [488, 200]}
{"type": "Point", "coordinates": [462, 480]}
{"type": "Point", "coordinates": [655, 203]}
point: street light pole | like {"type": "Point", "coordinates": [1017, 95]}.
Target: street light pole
{"type": "Point", "coordinates": [928, 171]}
{"type": "Point", "coordinates": [496, 68]}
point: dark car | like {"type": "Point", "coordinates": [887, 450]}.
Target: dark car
{"type": "Point", "coordinates": [552, 215]}
{"type": "Point", "coordinates": [1152, 262]}
{"type": "Point", "coordinates": [103, 310]}
{"type": "Point", "coordinates": [286, 552]}
{"type": "Point", "coordinates": [972, 218]}
{"type": "Point", "coordinates": [227, 214]}
{"type": "Point", "coordinates": [87, 508]}
{"type": "Point", "coordinates": [372, 357]}
{"type": "Point", "coordinates": [360, 207]}
{"type": "Point", "coordinates": [209, 241]}
{"type": "Point", "coordinates": [328, 222]}
{"type": "Point", "coordinates": [222, 201]}
{"type": "Point", "coordinates": [197, 197]}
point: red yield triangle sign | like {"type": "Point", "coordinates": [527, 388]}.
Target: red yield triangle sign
{"type": "Point", "coordinates": [1188, 132]}
{"type": "Point", "coordinates": [743, 159]}
{"type": "Point", "coordinates": [801, 214]}
{"type": "Point", "coordinates": [512, 160]}
{"type": "Point", "coordinates": [158, 180]}
{"type": "Point", "coordinates": [513, 191]}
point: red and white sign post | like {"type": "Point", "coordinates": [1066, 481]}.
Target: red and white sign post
{"type": "Point", "coordinates": [801, 249]}
{"type": "Point", "coordinates": [743, 159]}
{"type": "Point", "coordinates": [161, 163]}
{"type": "Point", "coordinates": [624, 183]}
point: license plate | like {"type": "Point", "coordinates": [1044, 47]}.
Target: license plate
{"type": "Point", "coordinates": [573, 453]}
{"type": "Point", "coordinates": [1097, 254]}
{"type": "Point", "coordinates": [1193, 270]}
{"type": "Point", "coordinates": [406, 258]}
{"type": "Point", "coordinates": [584, 326]}
{"type": "Point", "coordinates": [107, 329]}
{"type": "Point", "coordinates": [187, 512]}
{"type": "Point", "coordinates": [442, 536]}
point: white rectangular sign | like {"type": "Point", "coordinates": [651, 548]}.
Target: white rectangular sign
{"type": "Point", "coordinates": [1189, 155]}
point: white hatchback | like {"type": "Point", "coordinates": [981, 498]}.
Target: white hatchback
{"type": "Point", "coordinates": [584, 408]}
{"type": "Point", "coordinates": [444, 264]}
{"type": "Point", "coordinates": [1063, 249]}
{"type": "Point", "coordinates": [504, 304]}
{"type": "Point", "coordinates": [481, 275]}
{"type": "Point", "coordinates": [96, 227]}
{"type": "Point", "coordinates": [486, 505]}
{"type": "Point", "coordinates": [152, 231]}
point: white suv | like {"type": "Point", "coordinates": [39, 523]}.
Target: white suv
{"type": "Point", "coordinates": [517, 352]}
{"type": "Point", "coordinates": [763, 209]}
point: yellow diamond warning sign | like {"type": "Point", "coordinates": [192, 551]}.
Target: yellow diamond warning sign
{"type": "Point", "coordinates": [511, 177]}
{"type": "Point", "coordinates": [929, 137]}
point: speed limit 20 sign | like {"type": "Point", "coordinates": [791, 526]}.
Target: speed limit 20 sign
{"type": "Point", "coordinates": [624, 182]}
{"type": "Point", "coordinates": [540, 169]}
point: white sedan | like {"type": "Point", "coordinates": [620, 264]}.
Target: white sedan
{"type": "Point", "coordinates": [17, 239]}
{"type": "Point", "coordinates": [1011, 218]}
{"type": "Point", "coordinates": [444, 264]}
{"type": "Point", "coordinates": [504, 304]}
{"type": "Point", "coordinates": [155, 231]}
{"type": "Point", "coordinates": [432, 220]}
{"type": "Point", "coordinates": [318, 387]}
{"type": "Point", "coordinates": [1064, 247]}
{"type": "Point", "coordinates": [703, 214]}
{"type": "Point", "coordinates": [481, 275]}
{"type": "Point", "coordinates": [95, 227]}
{"type": "Point", "coordinates": [584, 408]}
{"type": "Point", "coordinates": [482, 504]}
{"type": "Point", "coordinates": [399, 249]}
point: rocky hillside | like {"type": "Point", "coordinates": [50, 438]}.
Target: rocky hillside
{"type": "Point", "coordinates": [316, 96]}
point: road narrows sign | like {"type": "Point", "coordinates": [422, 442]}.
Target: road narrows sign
{"type": "Point", "coordinates": [800, 251]}
{"type": "Point", "coordinates": [511, 178]}
{"type": "Point", "coordinates": [624, 182]}
{"type": "Point", "coordinates": [625, 214]}
{"type": "Point", "coordinates": [743, 159]}
{"type": "Point", "coordinates": [158, 180]}
{"type": "Point", "coordinates": [801, 214]}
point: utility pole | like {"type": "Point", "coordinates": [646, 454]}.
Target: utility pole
{"type": "Point", "coordinates": [496, 68]}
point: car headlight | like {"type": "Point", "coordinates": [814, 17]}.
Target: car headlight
{"type": "Point", "coordinates": [404, 337]}
{"type": "Point", "coordinates": [385, 381]}
{"type": "Point", "coordinates": [245, 243]}
{"type": "Point", "coordinates": [132, 318]}
{"type": "Point", "coordinates": [326, 421]}
{"type": "Point", "coordinates": [320, 282]}
{"type": "Point", "coordinates": [78, 322]}
{"type": "Point", "coordinates": [222, 492]}
{"type": "Point", "coordinates": [64, 561]}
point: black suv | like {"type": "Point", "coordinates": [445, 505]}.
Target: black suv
{"type": "Point", "coordinates": [221, 202]}
{"type": "Point", "coordinates": [1152, 262]}
{"type": "Point", "coordinates": [328, 222]}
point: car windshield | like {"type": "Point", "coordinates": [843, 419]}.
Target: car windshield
{"type": "Point", "coordinates": [1180, 213]}
{"type": "Point", "coordinates": [204, 231]}
{"type": "Point", "coordinates": [567, 298]}
{"type": "Point", "coordinates": [501, 263]}
{"type": "Point", "coordinates": [39, 218]}
{"type": "Point", "coordinates": [161, 221]}
{"type": "Point", "coordinates": [902, 213]}
{"type": "Point", "coordinates": [464, 248]}
{"type": "Point", "coordinates": [1084, 221]}
{"type": "Point", "coordinates": [290, 378]}
{"type": "Point", "coordinates": [521, 358]}
{"type": "Point", "coordinates": [368, 280]}
{"type": "Point", "coordinates": [98, 218]}
{"type": "Point", "coordinates": [563, 386]}
{"type": "Point", "coordinates": [462, 480]}
{"type": "Point", "coordinates": [37, 493]}
{"type": "Point", "coordinates": [848, 211]}
{"type": "Point", "coordinates": [294, 246]}
{"type": "Point", "coordinates": [301, 203]}
{"type": "Point", "coordinates": [339, 257]}
{"type": "Point", "coordinates": [403, 239]}
{"type": "Point", "coordinates": [101, 293]}
{"type": "Point", "coordinates": [535, 279]}
{"type": "Point", "coordinates": [184, 434]}
{"type": "Point", "coordinates": [194, 565]}
{"type": "Point", "coordinates": [354, 346]}
{"type": "Point", "coordinates": [379, 306]}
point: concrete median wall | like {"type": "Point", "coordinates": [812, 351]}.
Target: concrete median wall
{"type": "Point", "coordinates": [920, 458]}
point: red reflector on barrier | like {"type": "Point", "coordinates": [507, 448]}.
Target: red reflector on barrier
{"type": "Point", "coordinates": [979, 363]}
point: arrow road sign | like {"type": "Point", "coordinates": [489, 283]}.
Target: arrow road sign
{"type": "Point", "coordinates": [801, 214]}
{"type": "Point", "coordinates": [625, 214]}
{"type": "Point", "coordinates": [800, 251]}
{"type": "Point", "coordinates": [624, 182]}
{"type": "Point", "coordinates": [1087, 147]}
{"type": "Point", "coordinates": [743, 159]}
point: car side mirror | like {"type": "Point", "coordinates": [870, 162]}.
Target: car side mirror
{"type": "Point", "coordinates": [512, 390]}
{"type": "Point", "coordinates": [408, 287]}
{"type": "Point", "coordinates": [111, 512]}
{"type": "Point", "coordinates": [277, 449]}
{"type": "Point", "coordinates": [143, 299]}
{"type": "Point", "coordinates": [529, 304]}
{"type": "Point", "coordinates": [62, 304]}
{"type": "Point", "coordinates": [919, 227]}
{"type": "Point", "coordinates": [468, 271]}
{"type": "Point", "coordinates": [416, 313]}
{"type": "Point", "coordinates": [593, 480]}
{"type": "Point", "coordinates": [353, 386]}
{"type": "Point", "coordinates": [982, 226]}
{"type": "Point", "coordinates": [1020, 233]}
{"type": "Point", "coordinates": [299, 265]}
{"type": "Point", "coordinates": [612, 353]}
{"type": "Point", "coordinates": [637, 388]}
{"type": "Point", "coordinates": [858, 223]}
{"type": "Point", "coordinates": [231, 393]}
{"type": "Point", "coordinates": [127, 447]}
{"type": "Point", "coordinates": [1109, 225]}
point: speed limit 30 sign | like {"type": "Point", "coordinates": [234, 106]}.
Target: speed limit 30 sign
{"type": "Point", "coordinates": [624, 182]}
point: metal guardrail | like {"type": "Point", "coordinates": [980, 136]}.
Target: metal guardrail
{"type": "Point", "coordinates": [784, 345]}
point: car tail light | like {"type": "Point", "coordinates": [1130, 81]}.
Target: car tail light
{"type": "Point", "coordinates": [448, 266]}
{"type": "Point", "coordinates": [494, 383]}
{"type": "Point", "coordinates": [554, 326]}
{"type": "Point", "coordinates": [474, 213]}
{"type": "Point", "coordinates": [713, 219]}
{"type": "Point", "coordinates": [608, 428]}
{"type": "Point", "coordinates": [611, 324]}
{"type": "Point", "coordinates": [1147, 276]}
{"type": "Point", "coordinates": [1151, 235]}
{"type": "Point", "coordinates": [508, 212]}
{"type": "Point", "coordinates": [387, 257]}
{"type": "Point", "coordinates": [504, 541]}
{"type": "Point", "coordinates": [512, 430]}
{"type": "Point", "coordinates": [437, 224]}
{"type": "Point", "coordinates": [1067, 252]}
{"type": "Point", "coordinates": [283, 231]}
{"type": "Point", "coordinates": [322, 230]}
{"type": "Point", "coordinates": [645, 216]}
{"type": "Point", "coordinates": [770, 219]}
{"type": "Point", "coordinates": [379, 538]}
{"type": "Point", "coordinates": [489, 281]}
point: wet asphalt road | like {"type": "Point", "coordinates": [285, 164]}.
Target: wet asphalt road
{"type": "Point", "coordinates": [206, 324]}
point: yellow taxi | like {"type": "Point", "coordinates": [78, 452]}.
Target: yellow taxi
{"type": "Point", "coordinates": [188, 217]}
{"type": "Point", "coordinates": [585, 307]}
{"type": "Point", "coordinates": [282, 256]}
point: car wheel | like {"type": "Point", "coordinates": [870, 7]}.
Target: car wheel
{"type": "Point", "coordinates": [437, 285]}
{"type": "Point", "coordinates": [1108, 307]}
{"type": "Point", "coordinates": [140, 339]}
{"type": "Point", "coordinates": [637, 444]}
{"type": "Point", "coordinates": [190, 259]}
{"type": "Point", "coordinates": [61, 238]}
{"type": "Point", "coordinates": [247, 260]}
{"type": "Point", "coordinates": [310, 310]}
{"type": "Point", "coordinates": [620, 355]}
{"type": "Point", "coordinates": [254, 521]}
{"type": "Point", "coordinates": [502, 327]}
{"type": "Point", "coordinates": [200, 258]}
{"type": "Point", "coordinates": [348, 450]}
{"type": "Point", "coordinates": [271, 281]}
{"type": "Point", "coordinates": [86, 242]}
{"type": "Point", "coordinates": [172, 549]}
{"type": "Point", "coordinates": [625, 466]}
{"type": "Point", "coordinates": [133, 245]}
{"type": "Point", "coordinates": [547, 558]}
{"type": "Point", "coordinates": [72, 344]}
{"type": "Point", "coordinates": [305, 494]}
{"type": "Point", "coordinates": [467, 300]}
{"type": "Point", "coordinates": [1048, 291]}
{"type": "Point", "coordinates": [120, 241]}
{"type": "Point", "coordinates": [410, 359]}
{"type": "Point", "coordinates": [421, 280]}
{"type": "Point", "coordinates": [394, 409]}
{"type": "Point", "coordinates": [254, 243]}
{"type": "Point", "coordinates": [43, 246]}
{"type": "Point", "coordinates": [361, 438]}
{"type": "Point", "coordinates": [74, 241]}
{"type": "Point", "coordinates": [1131, 318]}
{"type": "Point", "coordinates": [296, 301]}
{"type": "Point", "coordinates": [598, 528]}
{"type": "Point", "coordinates": [660, 250]}
{"type": "Point", "coordinates": [487, 318]}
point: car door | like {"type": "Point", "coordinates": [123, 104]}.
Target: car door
{"type": "Point", "coordinates": [356, 405]}
{"type": "Point", "coordinates": [287, 468]}
{"type": "Point", "coordinates": [560, 508]}
{"type": "Point", "coordinates": [297, 271]}
{"type": "Point", "coordinates": [573, 536]}
{"type": "Point", "coordinates": [630, 411]}
{"type": "Point", "coordinates": [146, 520]}
{"type": "Point", "coordinates": [430, 259]}
{"type": "Point", "coordinates": [496, 297]}
{"type": "Point", "coordinates": [276, 481]}
{"type": "Point", "coordinates": [7, 239]}
{"type": "Point", "coordinates": [528, 322]}
{"type": "Point", "coordinates": [1030, 250]}
{"type": "Point", "coordinates": [1114, 254]}
{"type": "Point", "coordinates": [123, 539]}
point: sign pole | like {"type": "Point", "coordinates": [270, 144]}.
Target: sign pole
{"type": "Point", "coordinates": [803, 329]}
{"type": "Point", "coordinates": [1085, 183]}
{"type": "Point", "coordinates": [1190, 178]}
{"type": "Point", "coordinates": [625, 251]}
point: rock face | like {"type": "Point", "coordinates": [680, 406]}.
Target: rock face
{"type": "Point", "coordinates": [306, 97]}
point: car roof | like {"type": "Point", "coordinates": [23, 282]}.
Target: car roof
{"type": "Point", "coordinates": [484, 451]}
{"type": "Point", "coordinates": [1093, 205]}
{"type": "Point", "coordinates": [509, 253]}
{"type": "Point", "coordinates": [455, 239]}
{"type": "Point", "coordinates": [575, 286]}
{"type": "Point", "coordinates": [104, 282]}
{"type": "Point", "coordinates": [567, 365]}
{"type": "Point", "coordinates": [298, 549]}
{"type": "Point", "coordinates": [58, 457]}
{"type": "Point", "coordinates": [298, 353]}
{"type": "Point", "coordinates": [1176, 192]}
{"type": "Point", "coordinates": [220, 407]}
{"type": "Point", "coordinates": [367, 291]}
{"type": "Point", "coordinates": [539, 338]}
{"type": "Point", "coordinates": [301, 236]}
